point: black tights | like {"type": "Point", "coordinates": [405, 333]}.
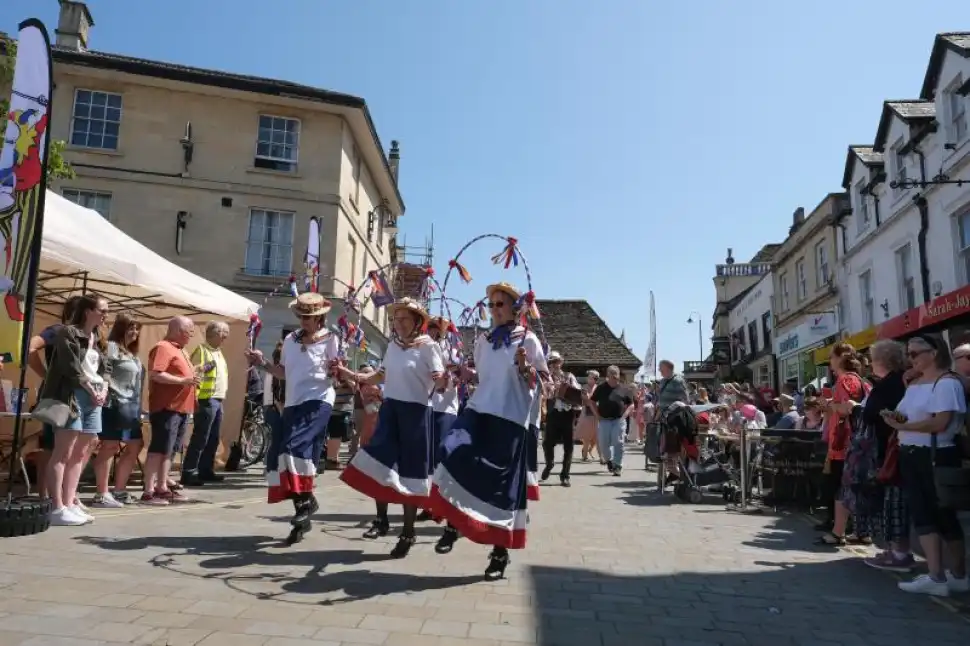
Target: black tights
{"type": "Point", "coordinates": [410, 515]}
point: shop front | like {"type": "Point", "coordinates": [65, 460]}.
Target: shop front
{"type": "Point", "coordinates": [795, 348]}
{"type": "Point", "coordinates": [860, 341]}
{"type": "Point", "coordinates": [948, 314]}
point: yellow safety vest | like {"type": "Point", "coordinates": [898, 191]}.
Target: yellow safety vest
{"type": "Point", "coordinates": [207, 387]}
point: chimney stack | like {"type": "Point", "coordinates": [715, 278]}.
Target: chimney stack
{"type": "Point", "coordinates": [73, 25]}
{"type": "Point", "coordinates": [394, 159]}
{"type": "Point", "coordinates": [797, 220]}
{"type": "Point", "coordinates": [730, 257]}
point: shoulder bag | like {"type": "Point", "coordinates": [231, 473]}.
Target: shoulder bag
{"type": "Point", "coordinates": [51, 411]}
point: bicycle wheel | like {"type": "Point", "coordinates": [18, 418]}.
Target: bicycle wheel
{"type": "Point", "coordinates": [253, 441]}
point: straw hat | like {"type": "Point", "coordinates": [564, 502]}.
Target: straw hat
{"type": "Point", "coordinates": [412, 306]}
{"type": "Point", "coordinates": [553, 357]}
{"type": "Point", "coordinates": [505, 288]}
{"type": "Point", "coordinates": [785, 401]}
{"type": "Point", "coordinates": [310, 304]}
{"type": "Point", "coordinates": [440, 322]}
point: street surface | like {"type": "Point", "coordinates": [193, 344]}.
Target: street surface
{"type": "Point", "coordinates": [608, 564]}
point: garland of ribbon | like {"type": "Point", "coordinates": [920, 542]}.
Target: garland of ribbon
{"type": "Point", "coordinates": [510, 256]}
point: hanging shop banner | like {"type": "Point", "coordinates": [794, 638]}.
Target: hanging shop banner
{"type": "Point", "coordinates": [936, 311]}
{"type": "Point", "coordinates": [813, 330]}
{"type": "Point", "coordinates": [23, 170]}
{"type": "Point", "coordinates": [859, 341]}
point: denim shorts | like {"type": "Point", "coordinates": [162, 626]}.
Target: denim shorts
{"type": "Point", "coordinates": [88, 420]}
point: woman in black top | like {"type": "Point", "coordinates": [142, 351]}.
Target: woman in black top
{"type": "Point", "coordinates": [887, 365]}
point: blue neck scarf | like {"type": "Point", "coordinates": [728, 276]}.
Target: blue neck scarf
{"type": "Point", "coordinates": [501, 336]}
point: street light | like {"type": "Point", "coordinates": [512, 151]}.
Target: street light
{"type": "Point", "coordinates": [700, 333]}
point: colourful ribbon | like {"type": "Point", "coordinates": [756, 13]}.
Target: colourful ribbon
{"type": "Point", "coordinates": [508, 256]}
{"type": "Point", "coordinates": [462, 271]}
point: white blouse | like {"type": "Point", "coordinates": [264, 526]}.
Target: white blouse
{"type": "Point", "coordinates": [922, 401]}
{"type": "Point", "coordinates": [407, 372]}
{"type": "Point", "coordinates": [501, 390]}
{"type": "Point", "coordinates": [308, 372]}
{"type": "Point", "coordinates": [447, 402]}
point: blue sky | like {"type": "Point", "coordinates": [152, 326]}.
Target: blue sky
{"type": "Point", "coordinates": [626, 144]}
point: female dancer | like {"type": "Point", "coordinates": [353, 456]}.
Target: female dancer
{"type": "Point", "coordinates": [480, 485]}
{"type": "Point", "coordinates": [395, 466]}
{"type": "Point", "coordinates": [444, 402]}
{"type": "Point", "coordinates": [308, 360]}
{"type": "Point", "coordinates": [586, 425]}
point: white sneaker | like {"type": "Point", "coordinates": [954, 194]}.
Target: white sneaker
{"type": "Point", "coordinates": [106, 501]}
{"type": "Point", "coordinates": [78, 511]}
{"type": "Point", "coordinates": [924, 584]}
{"type": "Point", "coordinates": [957, 585]}
{"type": "Point", "coordinates": [64, 517]}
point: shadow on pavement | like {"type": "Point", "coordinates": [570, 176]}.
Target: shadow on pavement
{"type": "Point", "coordinates": [232, 559]}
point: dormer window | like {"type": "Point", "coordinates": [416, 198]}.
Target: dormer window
{"type": "Point", "coordinates": [862, 208]}
{"type": "Point", "coordinates": [899, 165]}
{"type": "Point", "coordinates": [956, 112]}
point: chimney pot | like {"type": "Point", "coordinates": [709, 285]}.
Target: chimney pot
{"type": "Point", "coordinates": [394, 159]}
{"type": "Point", "coordinates": [73, 25]}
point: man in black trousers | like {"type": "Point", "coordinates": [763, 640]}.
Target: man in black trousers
{"type": "Point", "coordinates": [560, 419]}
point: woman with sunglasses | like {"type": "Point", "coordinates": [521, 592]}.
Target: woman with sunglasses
{"type": "Point", "coordinates": [927, 421]}
{"type": "Point", "coordinates": [307, 362]}
{"type": "Point", "coordinates": [480, 485]}
{"type": "Point", "coordinates": [395, 466]}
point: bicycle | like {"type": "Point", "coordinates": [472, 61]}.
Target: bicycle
{"type": "Point", "coordinates": [254, 437]}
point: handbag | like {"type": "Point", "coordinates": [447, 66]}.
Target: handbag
{"type": "Point", "coordinates": [52, 412]}
{"type": "Point", "coordinates": [952, 483]}
{"type": "Point", "coordinates": [888, 473]}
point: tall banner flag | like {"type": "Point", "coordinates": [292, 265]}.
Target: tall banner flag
{"type": "Point", "coordinates": [23, 184]}
{"type": "Point", "coordinates": [23, 175]}
{"type": "Point", "coordinates": [650, 360]}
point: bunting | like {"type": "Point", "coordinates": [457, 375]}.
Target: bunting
{"type": "Point", "coordinates": [381, 292]}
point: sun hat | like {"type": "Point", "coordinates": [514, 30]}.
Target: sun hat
{"type": "Point", "coordinates": [310, 304]}
{"type": "Point", "coordinates": [553, 356]}
{"type": "Point", "coordinates": [440, 322]}
{"type": "Point", "coordinates": [505, 288]}
{"type": "Point", "coordinates": [412, 306]}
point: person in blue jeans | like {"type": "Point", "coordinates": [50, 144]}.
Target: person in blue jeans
{"type": "Point", "coordinates": [612, 405]}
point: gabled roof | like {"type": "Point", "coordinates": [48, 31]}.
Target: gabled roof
{"type": "Point", "coordinates": [575, 330]}
{"type": "Point", "coordinates": [957, 42]}
{"type": "Point", "coordinates": [766, 253]}
{"type": "Point", "coordinates": [864, 154]}
{"type": "Point", "coordinates": [909, 110]}
{"type": "Point", "coordinates": [229, 81]}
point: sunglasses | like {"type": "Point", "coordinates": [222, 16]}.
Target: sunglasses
{"type": "Point", "coordinates": [916, 353]}
{"type": "Point", "coordinates": [496, 304]}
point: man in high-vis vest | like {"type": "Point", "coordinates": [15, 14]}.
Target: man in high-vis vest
{"type": "Point", "coordinates": [198, 464]}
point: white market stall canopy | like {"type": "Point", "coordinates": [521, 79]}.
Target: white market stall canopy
{"type": "Point", "coordinates": [82, 250]}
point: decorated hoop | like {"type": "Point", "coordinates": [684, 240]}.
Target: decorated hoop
{"type": "Point", "coordinates": [509, 256]}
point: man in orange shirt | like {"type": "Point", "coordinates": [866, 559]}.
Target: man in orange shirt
{"type": "Point", "coordinates": [171, 399]}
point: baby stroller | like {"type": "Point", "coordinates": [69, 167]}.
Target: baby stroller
{"type": "Point", "coordinates": [699, 469]}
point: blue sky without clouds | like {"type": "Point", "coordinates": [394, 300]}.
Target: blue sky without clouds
{"type": "Point", "coordinates": [626, 143]}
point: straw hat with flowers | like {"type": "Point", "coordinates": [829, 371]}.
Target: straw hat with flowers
{"type": "Point", "coordinates": [310, 304]}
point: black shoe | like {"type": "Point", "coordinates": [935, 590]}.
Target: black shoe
{"type": "Point", "coordinates": [297, 533]}
{"type": "Point", "coordinates": [564, 481]}
{"type": "Point", "coordinates": [424, 516]}
{"type": "Point", "coordinates": [403, 546]}
{"type": "Point", "coordinates": [378, 528]}
{"type": "Point", "coordinates": [545, 473]}
{"type": "Point", "coordinates": [305, 507]}
{"type": "Point", "coordinates": [610, 466]}
{"type": "Point", "coordinates": [497, 562]}
{"type": "Point", "coordinates": [212, 477]}
{"type": "Point", "coordinates": [617, 471]}
{"type": "Point", "coordinates": [191, 480]}
{"type": "Point", "coordinates": [447, 541]}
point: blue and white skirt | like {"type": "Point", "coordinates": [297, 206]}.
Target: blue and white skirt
{"type": "Point", "coordinates": [532, 460]}
{"type": "Point", "coordinates": [290, 460]}
{"type": "Point", "coordinates": [480, 485]}
{"type": "Point", "coordinates": [442, 423]}
{"type": "Point", "coordinates": [396, 464]}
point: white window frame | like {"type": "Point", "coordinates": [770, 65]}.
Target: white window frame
{"type": "Point", "coordinates": [866, 299]}
{"type": "Point", "coordinates": [905, 278]}
{"type": "Point", "coordinates": [898, 164]}
{"type": "Point", "coordinates": [285, 246]}
{"type": "Point", "coordinates": [801, 280]}
{"type": "Point", "coordinates": [268, 160]}
{"type": "Point", "coordinates": [783, 284]}
{"type": "Point", "coordinates": [862, 204]}
{"type": "Point", "coordinates": [963, 252]}
{"type": "Point", "coordinates": [89, 199]}
{"type": "Point", "coordinates": [821, 266]}
{"type": "Point", "coordinates": [91, 120]}
{"type": "Point", "coordinates": [956, 112]}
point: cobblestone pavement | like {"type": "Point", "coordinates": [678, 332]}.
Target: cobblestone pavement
{"type": "Point", "coordinates": [608, 564]}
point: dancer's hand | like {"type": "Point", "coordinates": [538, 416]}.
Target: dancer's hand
{"type": "Point", "coordinates": [255, 357]}
{"type": "Point", "coordinates": [520, 358]}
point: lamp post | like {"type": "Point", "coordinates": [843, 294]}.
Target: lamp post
{"type": "Point", "coordinates": [700, 333]}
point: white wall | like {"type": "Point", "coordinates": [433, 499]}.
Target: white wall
{"type": "Point", "coordinates": [751, 308]}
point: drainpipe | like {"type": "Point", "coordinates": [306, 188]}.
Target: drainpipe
{"type": "Point", "coordinates": [875, 201]}
{"type": "Point", "coordinates": [924, 225]}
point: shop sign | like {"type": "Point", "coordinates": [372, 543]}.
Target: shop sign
{"type": "Point", "coordinates": [721, 350]}
{"type": "Point", "coordinates": [939, 309]}
{"type": "Point", "coordinates": [789, 343]}
{"type": "Point", "coordinates": [815, 328]}
{"type": "Point", "coordinates": [859, 341]}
